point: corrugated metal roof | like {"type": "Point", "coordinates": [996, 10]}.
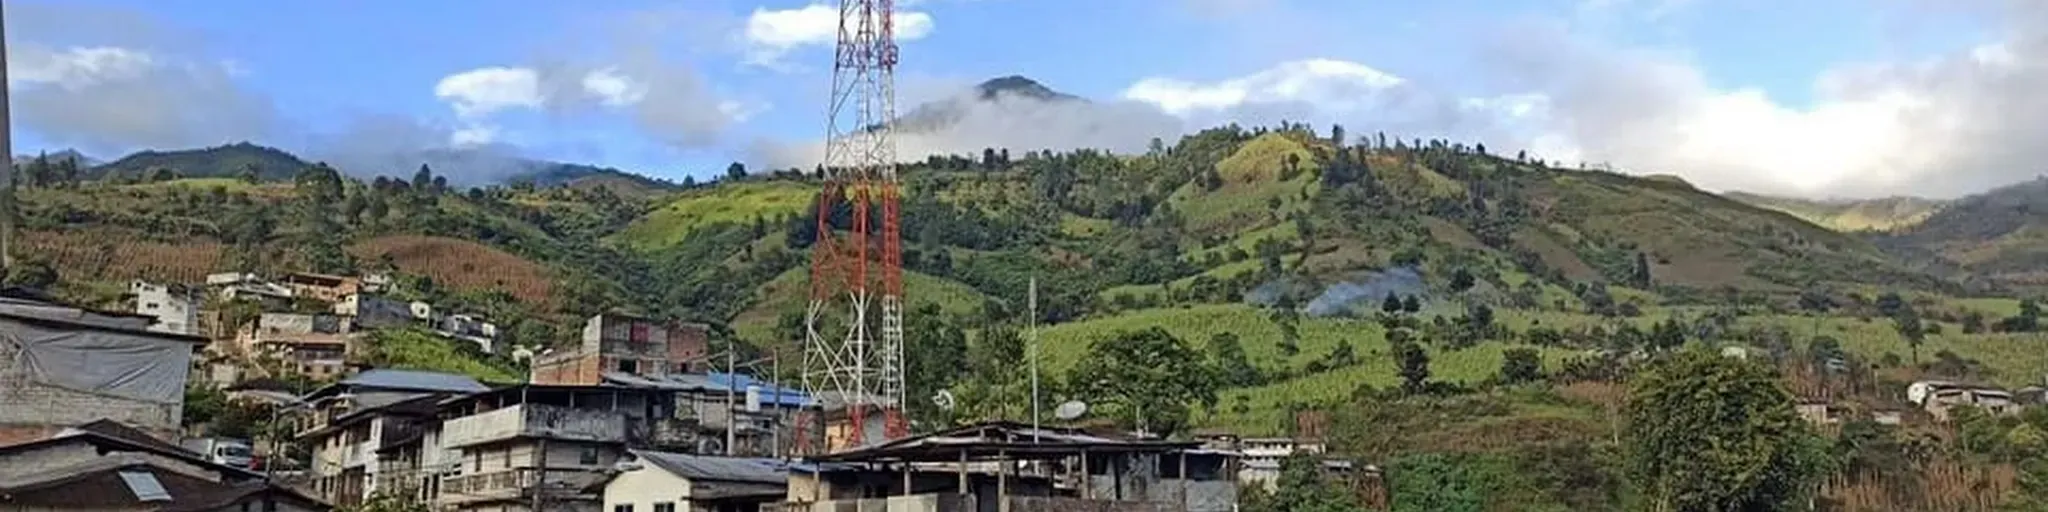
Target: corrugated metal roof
{"type": "Point", "coordinates": [730, 469]}
{"type": "Point", "coordinates": [416, 380]}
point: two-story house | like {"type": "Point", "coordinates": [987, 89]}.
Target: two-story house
{"type": "Point", "coordinates": [372, 311]}
{"type": "Point", "coordinates": [321, 287]}
{"type": "Point", "coordinates": [531, 447]}
{"type": "Point", "coordinates": [315, 345]}
{"type": "Point", "coordinates": [175, 308]}
{"type": "Point", "coordinates": [623, 344]}
{"type": "Point", "coordinates": [353, 420]}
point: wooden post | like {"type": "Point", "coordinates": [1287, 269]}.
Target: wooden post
{"type": "Point", "coordinates": [1087, 479]}
{"type": "Point", "coordinates": [1184, 480]}
{"type": "Point", "coordinates": [1002, 481]}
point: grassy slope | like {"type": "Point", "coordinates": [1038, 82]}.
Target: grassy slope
{"type": "Point", "coordinates": [1882, 214]}
{"type": "Point", "coordinates": [788, 291]}
{"type": "Point", "coordinates": [1252, 179]}
{"type": "Point", "coordinates": [738, 202]}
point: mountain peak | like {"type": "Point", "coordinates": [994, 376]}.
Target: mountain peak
{"type": "Point", "coordinates": [1020, 86]}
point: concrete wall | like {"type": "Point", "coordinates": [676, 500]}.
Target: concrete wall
{"type": "Point", "coordinates": [644, 487]}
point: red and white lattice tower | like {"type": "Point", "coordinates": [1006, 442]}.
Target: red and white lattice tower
{"type": "Point", "coordinates": [853, 328]}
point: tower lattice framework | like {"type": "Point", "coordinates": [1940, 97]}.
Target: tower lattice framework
{"type": "Point", "coordinates": [853, 327]}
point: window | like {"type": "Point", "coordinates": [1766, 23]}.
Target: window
{"type": "Point", "coordinates": [629, 366]}
{"type": "Point", "coordinates": [588, 457]}
{"type": "Point", "coordinates": [622, 508]}
{"type": "Point", "coordinates": [664, 507]}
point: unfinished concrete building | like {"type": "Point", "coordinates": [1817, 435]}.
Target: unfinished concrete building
{"type": "Point", "coordinates": [614, 343]}
{"type": "Point", "coordinates": [1014, 467]}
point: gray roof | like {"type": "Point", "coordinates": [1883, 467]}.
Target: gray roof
{"type": "Point", "coordinates": [727, 469]}
{"type": "Point", "coordinates": [416, 381]}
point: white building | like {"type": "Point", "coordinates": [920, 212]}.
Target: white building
{"type": "Point", "coordinates": [175, 308]}
{"type": "Point", "coordinates": [650, 481]}
{"type": "Point", "coordinates": [1261, 458]}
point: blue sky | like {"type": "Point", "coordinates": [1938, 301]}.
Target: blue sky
{"type": "Point", "coordinates": [1810, 97]}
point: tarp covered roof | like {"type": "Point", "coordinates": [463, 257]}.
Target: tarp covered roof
{"type": "Point", "coordinates": [1000, 439]}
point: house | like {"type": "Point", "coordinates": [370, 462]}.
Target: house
{"type": "Point", "coordinates": [106, 466]}
{"type": "Point", "coordinates": [651, 481]}
{"type": "Point", "coordinates": [1012, 466]}
{"type": "Point", "coordinates": [1818, 412]}
{"type": "Point", "coordinates": [175, 308]}
{"type": "Point", "coordinates": [321, 287]}
{"type": "Point", "coordinates": [372, 311]}
{"type": "Point", "coordinates": [346, 469]}
{"type": "Point", "coordinates": [624, 344]}
{"type": "Point", "coordinates": [470, 328]}
{"type": "Point", "coordinates": [63, 366]}
{"type": "Point", "coordinates": [1994, 401]}
{"type": "Point", "coordinates": [759, 413]}
{"type": "Point", "coordinates": [1261, 457]}
{"type": "Point", "coordinates": [237, 286]}
{"type": "Point", "coordinates": [518, 446]}
{"type": "Point", "coordinates": [353, 421]}
{"type": "Point", "coordinates": [314, 345]}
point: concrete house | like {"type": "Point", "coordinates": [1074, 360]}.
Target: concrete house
{"type": "Point", "coordinates": [175, 308]}
{"type": "Point", "coordinates": [321, 287]}
{"type": "Point", "coordinates": [315, 345]}
{"type": "Point", "coordinates": [372, 311]}
{"type": "Point", "coordinates": [528, 447]}
{"type": "Point", "coordinates": [624, 344]}
{"type": "Point", "coordinates": [62, 366]}
{"type": "Point", "coordinates": [357, 423]}
{"type": "Point", "coordinates": [650, 481]}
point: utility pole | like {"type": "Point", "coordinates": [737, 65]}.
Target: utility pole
{"type": "Point", "coordinates": [1031, 298]}
{"type": "Point", "coordinates": [6, 155]}
{"type": "Point", "coordinates": [732, 423]}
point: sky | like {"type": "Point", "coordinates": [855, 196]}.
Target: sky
{"type": "Point", "coordinates": [1816, 98]}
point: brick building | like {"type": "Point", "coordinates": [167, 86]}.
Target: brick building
{"type": "Point", "coordinates": [624, 344]}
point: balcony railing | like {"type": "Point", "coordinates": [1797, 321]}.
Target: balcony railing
{"type": "Point", "coordinates": [510, 483]}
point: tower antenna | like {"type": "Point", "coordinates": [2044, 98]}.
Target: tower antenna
{"type": "Point", "coordinates": [853, 325]}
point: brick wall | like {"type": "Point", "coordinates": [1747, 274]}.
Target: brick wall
{"type": "Point", "coordinates": [570, 369]}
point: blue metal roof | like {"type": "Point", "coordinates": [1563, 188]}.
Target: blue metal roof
{"type": "Point", "coordinates": [412, 380]}
{"type": "Point", "coordinates": [770, 393]}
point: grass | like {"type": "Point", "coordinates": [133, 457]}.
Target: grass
{"type": "Point", "coordinates": [1251, 180]}
{"type": "Point", "coordinates": [733, 203]}
{"type": "Point", "coordinates": [790, 290]}
{"type": "Point", "coordinates": [226, 184]}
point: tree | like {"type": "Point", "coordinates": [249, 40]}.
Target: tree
{"type": "Point", "coordinates": [1640, 275]}
{"type": "Point", "coordinates": [1908, 324]}
{"type": "Point", "coordinates": [1303, 487]}
{"type": "Point", "coordinates": [1391, 305]}
{"type": "Point", "coordinates": [1337, 135]}
{"type": "Point", "coordinates": [1149, 375]}
{"type": "Point", "coordinates": [250, 173]}
{"type": "Point", "coordinates": [1889, 304]}
{"type": "Point", "coordinates": [1411, 305]}
{"type": "Point", "coordinates": [1232, 365]}
{"type": "Point", "coordinates": [1707, 432]}
{"type": "Point", "coordinates": [736, 171]}
{"type": "Point", "coordinates": [1519, 365]}
{"type": "Point", "coordinates": [422, 179]}
{"type": "Point", "coordinates": [941, 349]}
{"type": "Point", "coordinates": [1414, 366]}
{"type": "Point", "coordinates": [1461, 280]}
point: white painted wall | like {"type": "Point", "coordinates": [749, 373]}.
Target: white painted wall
{"type": "Point", "coordinates": [643, 488]}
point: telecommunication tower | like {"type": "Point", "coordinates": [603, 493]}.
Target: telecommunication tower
{"type": "Point", "coordinates": [853, 327]}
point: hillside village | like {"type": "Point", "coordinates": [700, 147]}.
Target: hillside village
{"type": "Point", "coordinates": [1297, 315]}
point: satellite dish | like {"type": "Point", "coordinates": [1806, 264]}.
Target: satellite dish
{"type": "Point", "coordinates": [944, 400]}
{"type": "Point", "coordinates": [1070, 410]}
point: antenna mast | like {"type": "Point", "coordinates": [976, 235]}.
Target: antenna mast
{"type": "Point", "coordinates": [1032, 299]}
{"type": "Point", "coordinates": [853, 327]}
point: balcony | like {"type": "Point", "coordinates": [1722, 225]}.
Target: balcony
{"type": "Point", "coordinates": [535, 421]}
{"type": "Point", "coordinates": [511, 483]}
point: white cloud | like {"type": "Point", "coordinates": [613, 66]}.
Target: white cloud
{"type": "Point", "coordinates": [483, 91]}
{"type": "Point", "coordinates": [771, 33]}
{"type": "Point", "coordinates": [473, 136]}
{"type": "Point", "coordinates": [110, 99]}
{"type": "Point", "coordinates": [76, 67]}
{"type": "Point", "coordinates": [614, 89]}
{"type": "Point", "coordinates": [1326, 82]}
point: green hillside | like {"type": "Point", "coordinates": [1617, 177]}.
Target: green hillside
{"type": "Point", "coordinates": [740, 203]}
{"type": "Point", "coordinates": [1882, 214]}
